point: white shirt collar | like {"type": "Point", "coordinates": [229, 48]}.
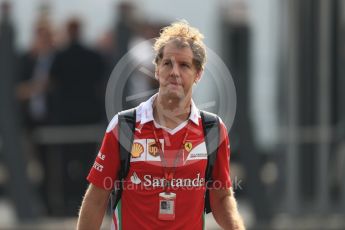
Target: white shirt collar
{"type": "Point", "coordinates": [146, 114]}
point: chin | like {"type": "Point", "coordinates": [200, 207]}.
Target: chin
{"type": "Point", "coordinates": [174, 94]}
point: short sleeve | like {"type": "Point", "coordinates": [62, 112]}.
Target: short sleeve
{"type": "Point", "coordinates": [221, 170]}
{"type": "Point", "coordinates": [107, 163]}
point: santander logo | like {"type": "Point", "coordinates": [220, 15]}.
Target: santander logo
{"type": "Point", "coordinates": [135, 179]}
{"type": "Point", "coordinates": [155, 182]}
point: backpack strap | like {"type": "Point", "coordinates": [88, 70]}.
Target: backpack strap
{"type": "Point", "coordinates": [127, 120]}
{"type": "Point", "coordinates": [210, 123]}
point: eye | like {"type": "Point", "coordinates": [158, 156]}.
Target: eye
{"type": "Point", "coordinates": [167, 62]}
{"type": "Point", "coordinates": [185, 65]}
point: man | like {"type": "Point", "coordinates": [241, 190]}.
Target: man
{"type": "Point", "coordinates": [74, 84]}
{"type": "Point", "coordinates": [165, 188]}
{"type": "Point", "coordinates": [34, 76]}
{"type": "Point", "coordinates": [76, 65]}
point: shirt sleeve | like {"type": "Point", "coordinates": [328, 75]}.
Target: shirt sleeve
{"type": "Point", "coordinates": [107, 163]}
{"type": "Point", "coordinates": [221, 170]}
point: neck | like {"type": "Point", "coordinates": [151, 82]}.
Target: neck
{"type": "Point", "coordinates": [171, 112]}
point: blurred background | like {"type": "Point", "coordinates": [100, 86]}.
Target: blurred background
{"type": "Point", "coordinates": [288, 137]}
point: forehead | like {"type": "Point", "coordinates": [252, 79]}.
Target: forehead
{"type": "Point", "coordinates": [172, 50]}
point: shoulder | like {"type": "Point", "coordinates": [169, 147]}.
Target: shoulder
{"type": "Point", "coordinates": [113, 123]}
{"type": "Point", "coordinates": [115, 120]}
{"type": "Point", "coordinates": [210, 115]}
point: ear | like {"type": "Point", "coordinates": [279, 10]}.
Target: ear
{"type": "Point", "coordinates": [156, 73]}
{"type": "Point", "coordinates": [198, 76]}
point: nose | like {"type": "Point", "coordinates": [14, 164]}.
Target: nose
{"type": "Point", "coordinates": [175, 71]}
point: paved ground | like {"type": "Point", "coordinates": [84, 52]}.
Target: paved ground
{"type": "Point", "coordinates": [8, 221]}
{"type": "Point", "coordinates": [70, 223]}
{"type": "Point", "coordinates": [280, 222]}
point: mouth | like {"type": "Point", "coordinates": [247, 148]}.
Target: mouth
{"type": "Point", "coordinates": [175, 83]}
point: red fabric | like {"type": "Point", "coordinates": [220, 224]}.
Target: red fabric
{"type": "Point", "coordinates": [144, 181]}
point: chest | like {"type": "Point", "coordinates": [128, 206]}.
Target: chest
{"type": "Point", "coordinates": [182, 153]}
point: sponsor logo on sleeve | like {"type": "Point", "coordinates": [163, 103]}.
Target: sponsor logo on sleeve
{"type": "Point", "coordinates": [98, 166]}
{"type": "Point", "coordinates": [101, 156]}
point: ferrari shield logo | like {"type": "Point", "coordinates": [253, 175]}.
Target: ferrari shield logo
{"type": "Point", "coordinates": [188, 146]}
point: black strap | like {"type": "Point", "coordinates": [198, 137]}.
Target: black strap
{"type": "Point", "coordinates": [126, 121]}
{"type": "Point", "coordinates": [210, 123]}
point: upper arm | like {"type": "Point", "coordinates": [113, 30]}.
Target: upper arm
{"type": "Point", "coordinates": [219, 195]}
{"type": "Point", "coordinates": [221, 170]}
{"type": "Point", "coordinates": [93, 208]}
{"type": "Point", "coordinates": [223, 204]}
{"type": "Point", "coordinates": [95, 200]}
{"type": "Point", "coordinates": [97, 195]}
{"type": "Point", "coordinates": [224, 209]}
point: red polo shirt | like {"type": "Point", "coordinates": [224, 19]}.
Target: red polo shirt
{"type": "Point", "coordinates": [185, 157]}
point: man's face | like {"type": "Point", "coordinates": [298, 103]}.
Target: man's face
{"type": "Point", "coordinates": [176, 72]}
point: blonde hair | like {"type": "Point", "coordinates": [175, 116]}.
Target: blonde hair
{"type": "Point", "coordinates": [183, 35]}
